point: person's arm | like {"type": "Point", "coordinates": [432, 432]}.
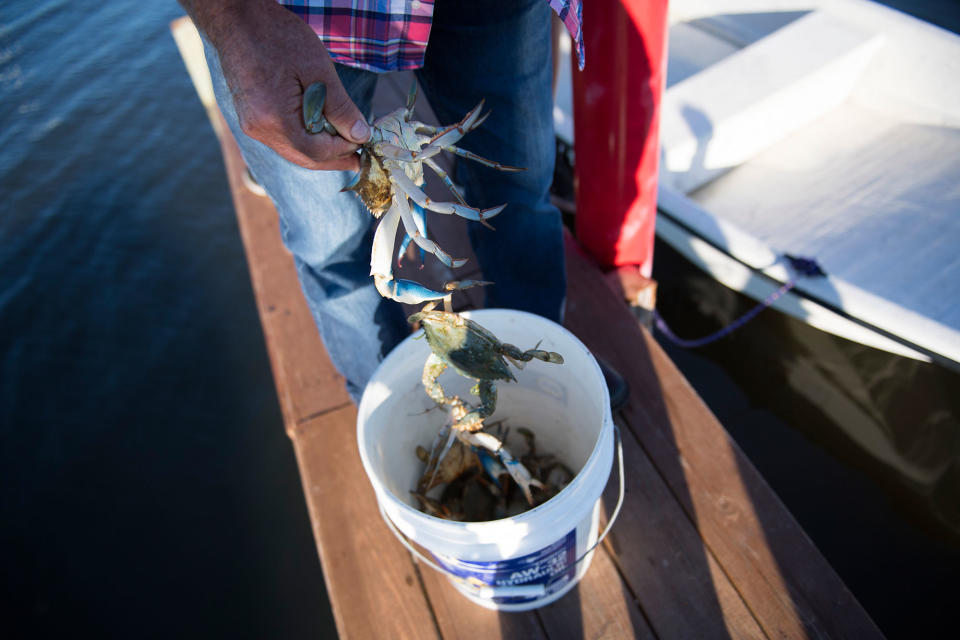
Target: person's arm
{"type": "Point", "coordinates": [269, 57]}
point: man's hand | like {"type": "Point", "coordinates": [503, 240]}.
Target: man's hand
{"type": "Point", "coordinates": [269, 57]}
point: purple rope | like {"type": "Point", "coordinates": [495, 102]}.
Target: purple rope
{"type": "Point", "coordinates": [730, 328]}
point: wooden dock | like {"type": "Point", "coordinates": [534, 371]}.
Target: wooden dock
{"type": "Point", "coordinates": [702, 549]}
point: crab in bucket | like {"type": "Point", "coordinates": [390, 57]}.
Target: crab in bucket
{"type": "Point", "coordinates": [478, 488]}
{"type": "Point", "coordinates": [474, 353]}
{"type": "Point", "coordinates": [389, 185]}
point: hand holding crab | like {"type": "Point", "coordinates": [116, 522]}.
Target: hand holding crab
{"type": "Point", "coordinates": [391, 176]}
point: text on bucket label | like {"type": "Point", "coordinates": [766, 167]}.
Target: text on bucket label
{"type": "Point", "coordinates": [552, 566]}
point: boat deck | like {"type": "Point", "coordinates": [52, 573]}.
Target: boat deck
{"type": "Point", "coordinates": [702, 549]}
{"type": "Point", "coordinates": [828, 129]}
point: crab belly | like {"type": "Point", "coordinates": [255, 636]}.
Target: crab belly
{"type": "Point", "coordinates": [372, 185]}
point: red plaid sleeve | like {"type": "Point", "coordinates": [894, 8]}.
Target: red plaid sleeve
{"type": "Point", "coordinates": [391, 35]}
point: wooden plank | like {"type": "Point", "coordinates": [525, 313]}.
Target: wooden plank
{"type": "Point", "coordinates": [307, 383]}
{"type": "Point", "coordinates": [784, 580]}
{"type": "Point", "coordinates": [190, 45]}
{"type": "Point", "coordinates": [457, 617]}
{"type": "Point", "coordinates": [679, 584]}
{"type": "Point", "coordinates": [600, 606]}
{"type": "Point", "coordinates": [371, 579]}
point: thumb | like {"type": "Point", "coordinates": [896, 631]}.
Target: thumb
{"type": "Point", "coordinates": [343, 114]}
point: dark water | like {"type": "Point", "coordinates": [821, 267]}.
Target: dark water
{"type": "Point", "coordinates": [147, 487]}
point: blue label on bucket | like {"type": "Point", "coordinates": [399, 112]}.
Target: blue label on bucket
{"type": "Point", "coordinates": [552, 566]}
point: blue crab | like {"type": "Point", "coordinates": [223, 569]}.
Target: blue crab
{"type": "Point", "coordinates": [475, 353]}
{"type": "Point", "coordinates": [391, 177]}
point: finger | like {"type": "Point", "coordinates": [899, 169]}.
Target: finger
{"type": "Point", "coordinates": [349, 162]}
{"type": "Point", "coordinates": [292, 142]}
{"type": "Point", "coordinates": [342, 113]}
{"type": "Point", "coordinates": [323, 148]}
{"type": "Point", "coordinates": [315, 151]}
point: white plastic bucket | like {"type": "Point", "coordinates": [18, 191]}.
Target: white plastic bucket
{"type": "Point", "coordinates": [517, 563]}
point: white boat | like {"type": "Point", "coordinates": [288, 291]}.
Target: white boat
{"type": "Point", "coordinates": [821, 128]}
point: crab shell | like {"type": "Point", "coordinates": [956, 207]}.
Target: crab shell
{"type": "Point", "coordinates": [466, 346]}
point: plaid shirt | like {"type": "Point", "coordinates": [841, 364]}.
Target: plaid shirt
{"type": "Point", "coordinates": [390, 35]}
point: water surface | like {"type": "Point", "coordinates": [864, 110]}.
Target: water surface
{"type": "Point", "coordinates": [148, 489]}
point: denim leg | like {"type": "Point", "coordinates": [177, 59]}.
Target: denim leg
{"type": "Point", "coordinates": [500, 51]}
{"type": "Point", "coordinates": [329, 234]}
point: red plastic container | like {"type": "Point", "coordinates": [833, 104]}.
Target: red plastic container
{"type": "Point", "coordinates": [616, 125]}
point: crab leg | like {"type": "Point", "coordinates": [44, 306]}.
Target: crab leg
{"type": "Point", "coordinates": [381, 267]}
{"type": "Point", "coordinates": [514, 467]}
{"type": "Point", "coordinates": [520, 358]}
{"type": "Point", "coordinates": [463, 153]}
{"type": "Point", "coordinates": [406, 185]}
{"type": "Point", "coordinates": [473, 421]}
{"type": "Point", "coordinates": [394, 152]}
{"type": "Point", "coordinates": [411, 99]}
{"type": "Point", "coordinates": [419, 216]}
{"type": "Point", "coordinates": [446, 180]}
{"type": "Point", "coordinates": [418, 234]}
{"type": "Point", "coordinates": [451, 134]}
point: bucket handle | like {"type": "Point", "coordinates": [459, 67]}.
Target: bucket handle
{"type": "Point", "coordinates": [521, 590]}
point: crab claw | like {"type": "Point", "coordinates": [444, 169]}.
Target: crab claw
{"type": "Point", "coordinates": [381, 267]}
{"type": "Point", "coordinates": [406, 291]}
{"type": "Point", "coordinates": [313, 100]}
{"type": "Point", "coordinates": [491, 466]}
{"type": "Point", "coordinates": [519, 474]}
{"type": "Point", "coordinates": [514, 467]}
{"type": "Point", "coordinates": [417, 230]}
{"type": "Point", "coordinates": [460, 285]}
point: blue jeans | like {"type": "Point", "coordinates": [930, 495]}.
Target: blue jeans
{"type": "Point", "coordinates": [499, 51]}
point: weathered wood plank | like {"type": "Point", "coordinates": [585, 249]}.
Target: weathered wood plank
{"type": "Point", "coordinates": [599, 607]}
{"type": "Point", "coordinates": [457, 617]}
{"type": "Point", "coordinates": [678, 582]}
{"type": "Point", "coordinates": [307, 383]}
{"type": "Point", "coordinates": [371, 579]}
{"type": "Point", "coordinates": [785, 581]}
